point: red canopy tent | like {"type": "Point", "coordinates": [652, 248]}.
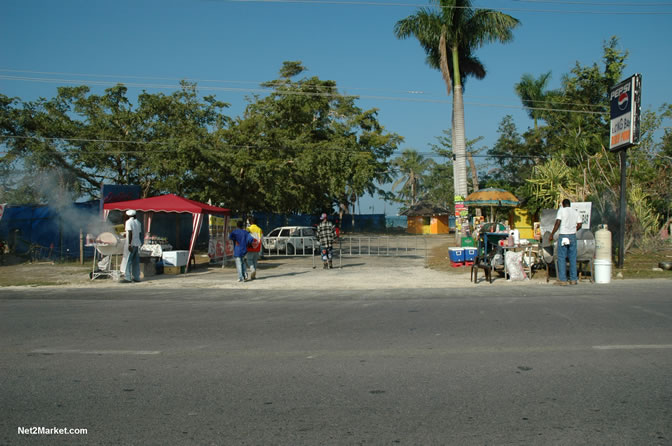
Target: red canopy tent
{"type": "Point", "coordinates": [169, 203]}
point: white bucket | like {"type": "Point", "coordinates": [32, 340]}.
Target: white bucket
{"type": "Point", "coordinates": [602, 270]}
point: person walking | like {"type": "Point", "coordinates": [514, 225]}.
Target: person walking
{"type": "Point", "coordinates": [241, 239]}
{"type": "Point", "coordinates": [326, 234]}
{"type": "Point", "coordinates": [567, 221]}
{"type": "Point", "coordinates": [133, 229]}
{"type": "Point", "coordinates": [254, 249]}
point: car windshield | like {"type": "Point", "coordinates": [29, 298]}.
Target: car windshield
{"type": "Point", "coordinates": [284, 233]}
{"type": "Point", "coordinates": [274, 233]}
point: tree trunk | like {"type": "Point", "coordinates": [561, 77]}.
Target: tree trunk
{"type": "Point", "coordinates": [474, 172]}
{"type": "Point", "coordinates": [459, 132]}
{"type": "Point", "coordinates": [459, 143]}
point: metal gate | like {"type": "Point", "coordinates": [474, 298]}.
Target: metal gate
{"type": "Point", "coordinates": [352, 246]}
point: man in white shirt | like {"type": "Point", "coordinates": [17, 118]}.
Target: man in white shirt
{"type": "Point", "coordinates": [568, 221]}
{"type": "Point", "coordinates": [133, 229]}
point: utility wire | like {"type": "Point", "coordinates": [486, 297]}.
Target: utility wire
{"type": "Point", "coordinates": [305, 93]}
{"type": "Point", "coordinates": [367, 3]}
{"type": "Point", "coordinates": [224, 81]}
{"type": "Point", "coordinates": [241, 146]}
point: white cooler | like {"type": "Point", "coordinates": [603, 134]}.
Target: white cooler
{"type": "Point", "coordinates": [175, 258]}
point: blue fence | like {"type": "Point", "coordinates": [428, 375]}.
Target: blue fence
{"type": "Point", "coordinates": [57, 230]}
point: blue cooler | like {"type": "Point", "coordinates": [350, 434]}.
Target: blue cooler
{"type": "Point", "coordinates": [470, 254]}
{"type": "Point", "coordinates": [456, 255]}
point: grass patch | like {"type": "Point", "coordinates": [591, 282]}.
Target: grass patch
{"type": "Point", "coordinates": [640, 264]}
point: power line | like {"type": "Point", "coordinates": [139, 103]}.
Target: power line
{"type": "Point", "coordinates": [305, 93]}
{"type": "Point", "coordinates": [413, 91]}
{"type": "Point", "coordinates": [553, 11]}
{"type": "Point", "coordinates": [566, 2]}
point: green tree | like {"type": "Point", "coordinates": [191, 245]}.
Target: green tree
{"type": "Point", "coordinates": [444, 148]}
{"type": "Point", "coordinates": [532, 93]}
{"type": "Point", "coordinates": [578, 122]}
{"type": "Point", "coordinates": [304, 148]}
{"type": "Point", "coordinates": [450, 33]}
{"type": "Point", "coordinates": [412, 168]}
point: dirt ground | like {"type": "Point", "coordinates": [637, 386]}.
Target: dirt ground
{"type": "Point", "coordinates": [363, 272]}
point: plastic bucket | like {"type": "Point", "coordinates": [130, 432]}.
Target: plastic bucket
{"type": "Point", "coordinates": [602, 271]}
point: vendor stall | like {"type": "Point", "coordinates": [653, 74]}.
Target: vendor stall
{"type": "Point", "coordinates": [172, 204]}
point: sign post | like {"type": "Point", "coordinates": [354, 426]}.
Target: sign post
{"type": "Point", "coordinates": [624, 104]}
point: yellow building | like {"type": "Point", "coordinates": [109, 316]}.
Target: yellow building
{"type": "Point", "coordinates": [424, 218]}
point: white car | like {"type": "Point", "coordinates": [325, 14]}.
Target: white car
{"type": "Point", "coordinates": [291, 240]}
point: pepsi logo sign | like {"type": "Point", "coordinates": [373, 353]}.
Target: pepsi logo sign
{"type": "Point", "coordinates": [623, 101]}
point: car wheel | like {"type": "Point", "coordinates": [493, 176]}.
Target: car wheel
{"type": "Point", "coordinates": [290, 250]}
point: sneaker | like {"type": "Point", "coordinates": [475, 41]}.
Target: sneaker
{"type": "Point", "coordinates": [573, 282]}
{"type": "Point", "coordinates": [240, 280]}
{"type": "Point", "coordinates": [254, 275]}
{"type": "Point", "coordinates": [561, 283]}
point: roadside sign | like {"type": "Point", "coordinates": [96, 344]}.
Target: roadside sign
{"type": "Point", "coordinates": [625, 102]}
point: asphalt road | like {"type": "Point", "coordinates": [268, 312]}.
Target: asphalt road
{"type": "Point", "coordinates": [587, 365]}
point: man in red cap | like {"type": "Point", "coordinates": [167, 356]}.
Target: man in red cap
{"type": "Point", "coordinates": [326, 234]}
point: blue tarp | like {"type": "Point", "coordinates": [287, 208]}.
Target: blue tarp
{"type": "Point", "coordinates": [44, 227]}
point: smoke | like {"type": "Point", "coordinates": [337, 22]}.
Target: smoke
{"type": "Point", "coordinates": [57, 192]}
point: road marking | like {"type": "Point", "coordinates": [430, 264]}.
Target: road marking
{"type": "Point", "coordinates": [56, 351]}
{"type": "Point", "coordinates": [632, 347]}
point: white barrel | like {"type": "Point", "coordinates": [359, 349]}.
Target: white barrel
{"type": "Point", "coordinates": [603, 243]}
{"type": "Point", "coordinates": [515, 235]}
{"type": "Point", "coordinates": [602, 271]}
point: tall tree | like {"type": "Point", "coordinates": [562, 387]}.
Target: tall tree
{"type": "Point", "coordinates": [532, 93]}
{"type": "Point", "coordinates": [450, 33]}
{"type": "Point", "coordinates": [412, 168]}
{"type": "Point", "coordinates": [304, 147]}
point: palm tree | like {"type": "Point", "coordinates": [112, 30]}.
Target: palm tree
{"type": "Point", "coordinates": [532, 93]}
{"type": "Point", "coordinates": [412, 167]}
{"type": "Point", "coordinates": [456, 29]}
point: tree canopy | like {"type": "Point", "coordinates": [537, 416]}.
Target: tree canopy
{"type": "Point", "coordinates": [304, 147]}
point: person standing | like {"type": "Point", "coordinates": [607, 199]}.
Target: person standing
{"type": "Point", "coordinates": [241, 238]}
{"type": "Point", "coordinates": [133, 229]}
{"type": "Point", "coordinates": [567, 221]}
{"type": "Point", "coordinates": [326, 234]}
{"type": "Point", "coordinates": [254, 249]}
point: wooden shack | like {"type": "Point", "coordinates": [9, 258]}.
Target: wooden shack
{"type": "Point", "coordinates": [425, 218]}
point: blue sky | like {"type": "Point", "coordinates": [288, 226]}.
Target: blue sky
{"type": "Point", "coordinates": [229, 47]}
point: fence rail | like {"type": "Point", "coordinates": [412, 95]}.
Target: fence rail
{"type": "Point", "coordinates": [349, 246]}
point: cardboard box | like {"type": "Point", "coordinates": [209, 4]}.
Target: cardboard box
{"type": "Point", "coordinates": [173, 269]}
{"type": "Point", "coordinates": [147, 269]}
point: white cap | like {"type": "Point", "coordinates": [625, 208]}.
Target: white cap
{"type": "Point", "coordinates": [130, 213]}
